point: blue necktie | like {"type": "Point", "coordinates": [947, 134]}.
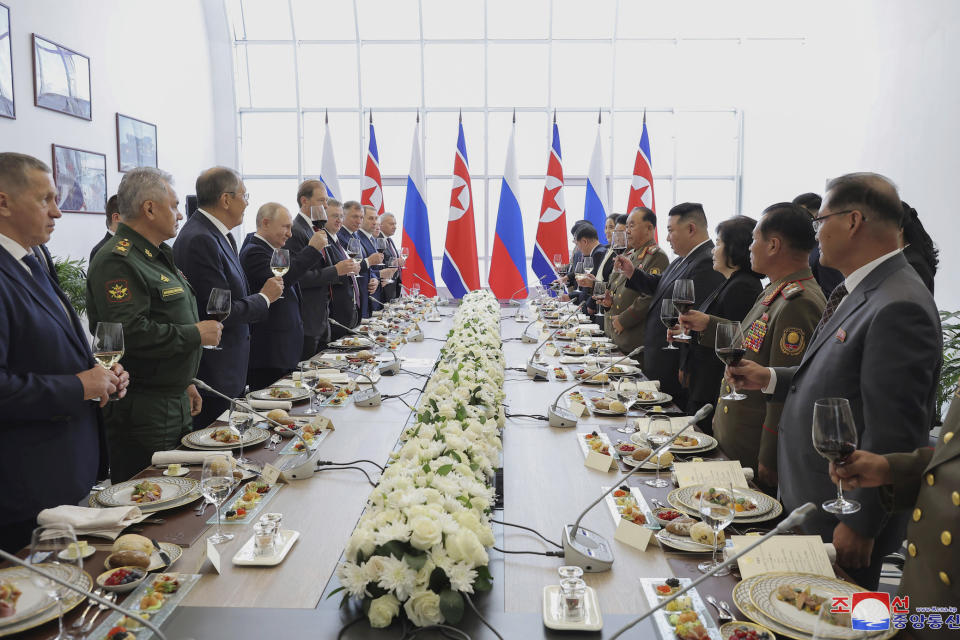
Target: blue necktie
{"type": "Point", "coordinates": [42, 278]}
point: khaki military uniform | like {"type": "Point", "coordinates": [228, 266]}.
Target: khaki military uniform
{"type": "Point", "coordinates": [777, 331]}
{"type": "Point", "coordinates": [928, 481]}
{"type": "Point", "coordinates": [630, 305]}
{"type": "Point", "coordinates": [135, 283]}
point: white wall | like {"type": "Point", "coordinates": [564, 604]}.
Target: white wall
{"type": "Point", "coordinates": [149, 60]}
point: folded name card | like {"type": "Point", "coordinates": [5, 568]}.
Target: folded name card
{"type": "Point", "coordinates": [794, 554]}
{"type": "Point", "coordinates": [632, 534]}
{"type": "Point", "coordinates": [213, 555]}
{"type": "Point", "coordinates": [710, 472]}
{"type": "Point", "coordinates": [600, 462]}
{"type": "Point", "coordinates": [551, 350]}
{"type": "Point", "coordinates": [577, 409]}
{"type": "Point", "coordinates": [270, 473]}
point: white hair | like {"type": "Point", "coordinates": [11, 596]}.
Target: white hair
{"type": "Point", "coordinates": [139, 185]}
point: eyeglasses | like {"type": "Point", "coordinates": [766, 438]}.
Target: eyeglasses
{"type": "Point", "coordinates": [819, 220]}
{"type": "Point", "coordinates": [245, 195]}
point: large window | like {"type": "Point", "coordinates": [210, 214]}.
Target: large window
{"type": "Point", "coordinates": [298, 62]}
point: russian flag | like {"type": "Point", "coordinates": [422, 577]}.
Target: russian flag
{"type": "Point", "coordinates": [328, 165]}
{"type": "Point", "coordinates": [552, 228]}
{"type": "Point", "coordinates": [416, 225]}
{"type": "Point", "coordinates": [461, 271]}
{"type": "Point", "coordinates": [595, 207]}
{"type": "Point", "coordinates": [508, 266]}
{"type": "Point", "coordinates": [371, 185]}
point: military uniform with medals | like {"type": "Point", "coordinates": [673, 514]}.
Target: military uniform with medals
{"type": "Point", "coordinates": [777, 331]}
{"type": "Point", "coordinates": [630, 305]}
{"type": "Point", "coordinates": [137, 284]}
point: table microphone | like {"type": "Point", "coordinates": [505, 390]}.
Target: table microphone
{"type": "Point", "coordinates": [561, 417]}
{"type": "Point", "coordinates": [386, 369]}
{"type": "Point", "coordinates": [797, 516]}
{"type": "Point", "coordinates": [368, 397]}
{"type": "Point", "coordinates": [298, 467]}
{"type": "Point", "coordinates": [103, 602]}
{"type": "Point", "coordinates": [534, 370]}
{"type": "Point", "coordinates": [526, 338]}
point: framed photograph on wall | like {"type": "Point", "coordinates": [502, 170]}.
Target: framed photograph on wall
{"type": "Point", "coordinates": [81, 179]}
{"type": "Point", "coordinates": [136, 143]}
{"type": "Point", "coordinates": [61, 79]}
{"type": "Point", "coordinates": [7, 108]}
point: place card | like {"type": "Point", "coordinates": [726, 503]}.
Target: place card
{"type": "Point", "coordinates": [794, 554]}
{"type": "Point", "coordinates": [544, 335]}
{"type": "Point", "coordinates": [270, 473]}
{"type": "Point", "coordinates": [632, 534]}
{"type": "Point", "coordinates": [710, 472]}
{"type": "Point", "coordinates": [323, 422]}
{"type": "Point", "coordinates": [577, 409]}
{"type": "Point", "coordinates": [213, 555]}
{"type": "Point", "coordinates": [600, 462]}
{"type": "Point", "coordinates": [551, 350]}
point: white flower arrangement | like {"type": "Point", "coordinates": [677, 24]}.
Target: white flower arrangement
{"type": "Point", "coordinates": [423, 538]}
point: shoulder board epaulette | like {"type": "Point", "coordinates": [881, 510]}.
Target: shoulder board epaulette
{"type": "Point", "coordinates": [773, 295]}
{"type": "Point", "coordinates": [792, 290]}
{"type": "Point", "coordinates": [121, 247]}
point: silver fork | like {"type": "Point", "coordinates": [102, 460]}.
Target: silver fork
{"type": "Point", "coordinates": [726, 607]}
{"type": "Point", "coordinates": [722, 615]}
{"type": "Point", "coordinates": [91, 604]}
{"type": "Point", "coordinates": [112, 597]}
{"type": "Point", "coordinates": [202, 508]}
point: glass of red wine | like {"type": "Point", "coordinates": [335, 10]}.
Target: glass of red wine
{"type": "Point", "coordinates": [618, 243]}
{"type": "Point", "coordinates": [835, 438]}
{"type": "Point", "coordinates": [730, 349]}
{"type": "Point", "coordinates": [669, 317]}
{"type": "Point", "coordinates": [318, 217]}
{"type": "Point", "coordinates": [218, 308]}
{"type": "Point", "coordinates": [683, 300]}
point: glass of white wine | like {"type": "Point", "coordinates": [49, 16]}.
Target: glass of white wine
{"type": "Point", "coordinates": [216, 482]}
{"type": "Point", "coordinates": [717, 510]}
{"type": "Point", "coordinates": [50, 550]}
{"type": "Point", "coordinates": [280, 263]}
{"type": "Point", "coordinates": [108, 347]}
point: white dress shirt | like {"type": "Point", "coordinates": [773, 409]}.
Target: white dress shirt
{"type": "Point", "coordinates": [222, 228]}
{"type": "Point", "coordinates": [16, 250]}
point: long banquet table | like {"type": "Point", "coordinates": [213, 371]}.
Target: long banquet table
{"type": "Point", "coordinates": [546, 485]}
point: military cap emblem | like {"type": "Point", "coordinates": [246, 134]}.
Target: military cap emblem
{"type": "Point", "coordinates": [792, 341]}
{"type": "Point", "coordinates": [118, 290]}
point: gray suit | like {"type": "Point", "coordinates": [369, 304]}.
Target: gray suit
{"type": "Point", "coordinates": [314, 288]}
{"type": "Point", "coordinates": [882, 350]}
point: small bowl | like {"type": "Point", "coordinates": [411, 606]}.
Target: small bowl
{"type": "Point", "coordinates": [127, 586]}
{"type": "Point", "coordinates": [662, 521]}
{"type": "Point", "coordinates": [730, 628]}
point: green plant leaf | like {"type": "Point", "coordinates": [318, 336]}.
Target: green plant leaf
{"type": "Point", "coordinates": [445, 469]}
{"type": "Point", "coordinates": [415, 562]}
{"type": "Point", "coordinates": [335, 591]}
{"type": "Point", "coordinates": [451, 606]}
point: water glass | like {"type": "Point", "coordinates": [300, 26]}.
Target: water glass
{"type": "Point", "coordinates": [572, 592]}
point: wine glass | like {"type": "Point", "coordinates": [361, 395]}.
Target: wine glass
{"type": "Point", "coordinates": [108, 347]}
{"type": "Point", "coordinates": [404, 252]}
{"type": "Point", "coordinates": [354, 250]}
{"type": "Point", "coordinates": [599, 292]}
{"type": "Point", "coordinates": [280, 263]}
{"type": "Point", "coordinates": [218, 308]}
{"type": "Point", "coordinates": [308, 377]}
{"type": "Point", "coordinates": [50, 549]}
{"type": "Point", "coordinates": [619, 242]}
{"type": "Point", "coordinates": [717, 510]}
{"type": "Point", "coordinates": [216, 482]}
{"type": "Point", "coordinates": [730, 349]}
{"type": "Point", "coordinates": [835, 438]}
{"type": "Point", "coordinates": [241, 421]}
{"type": "Point", "coordinates": [586, 265]}
{"type": "Point", "coordinates": [557, 261]}
{"type": "Point", "coordinates": [659, 431]}
{"type": "Point", "coordinates": [380, 244]}
{"type": "Point", "coordinates": [415, 288]}
{"type": "Point", "coordinates": [684, 300]}
{"type": "Point", "coordinates": [669, 317]}
{"type": "Point", "coordinates": [318, 218]}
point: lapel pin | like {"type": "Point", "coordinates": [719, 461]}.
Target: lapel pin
{"type": "Point", "coordinates": [841, 335]}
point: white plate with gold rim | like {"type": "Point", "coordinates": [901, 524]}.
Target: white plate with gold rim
{"type": "Point", "coordinates": [172, 489]}
{"type": "Point", "coordinates": [687, 496]}
{"type": "Point", "coordinates": [765, 596]}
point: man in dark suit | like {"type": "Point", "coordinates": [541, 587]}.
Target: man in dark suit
{"type": "Point", "coordinates": [392, 287]}
{"type": "Point", "coordinates": [366, 279]}
{"type": "Point", "coordinates": [276, 343]}
{"type": "Point", "coordinates": [588, 244]}
{"type": "Point", "coordinates": [570, 280]}
{"type": "Point", "coordinates": [113, 219]}
{"type": "Point", "coordinates": [344, 294]}
{"type": "Point", "coordinates": [207, 254]}
{"type": "Point", "coordinates": [52, 437]}
{"type": "Point", "coordinates": [316, 283]}
{"type": "Point", "coordinates": [879, 345]}
{"type": "Point", "coordinates": [687, 235]}
{"type": "Point", "coordinates": [368, 232]}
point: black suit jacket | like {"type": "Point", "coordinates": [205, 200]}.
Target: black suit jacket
{"type": "Point", "coordinates": [363, 278]}
{"type": "Point", "coordinates": [701, 367]}
{"type": "Point", "coordinates": [276, 342]}
{"type": "Point", "coordinates": [369, 249]}
{"type": "Point", "coordinates": [392, 288]}
{"type": "Point", "coordinates": [697, 266]}
{"type": "Point", "coordinates": [208, 261]}
{"type": "Point", "coordinates": [344, 307]}
{"type": "Point", "coordinates": [51, 451]}
{"type": "Point", "coordinates": [584, 295]}
{"type": "Point", "coordinates": [104, 240]}
{"type": "Point", "coordinates": [314, 284]}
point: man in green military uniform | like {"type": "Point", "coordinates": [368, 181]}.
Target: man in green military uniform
{"type": "Point", "coordinates": [777, 331]}
{"type": "Point", "coordinates": [928, 482]}
{"type": "Point", "coordinates": [624, 322]}
{"type": "Point", "coordinates": [136, 283]}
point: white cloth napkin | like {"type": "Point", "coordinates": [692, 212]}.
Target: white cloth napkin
{"type": "Point", "coordinates": [573, 359]}
{"type": "Point", "coordinates": [271, 404]}
{"type": "Point", "coordinates": [161, 458]}
{"type": "Point", "coordinates": [88, 521]}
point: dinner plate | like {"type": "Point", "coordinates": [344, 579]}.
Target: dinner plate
{"type": "Point", "coordinates": [171, 490]}
{"type": "Point", "coordinates": [687, 497]}
{"type": "Point", "coordinates": [682, 543]}
{"type": "Point", "coordinates": [704, 442]}
{"type": "Point", "coordinates": [21, 576]}
{"type": "Point", "coordinates": [728, 629]}
{"type": "Point", "coordinates": [774, 513]}
{"type": "Point", "coordinates": [296, 393]}
{"type": "Point", "coordinates": [350, 343]}
{"type": "Point", "coordinates": [624, 370]}
{"type": "Point", "coordinates": [202, 439]}
{"type": "Point", "coordinates": [607, 412]}
{"type": "Point", "coordinates": [763, 595]}
{"type": "Point", "coordinates": [33, 600]}
{"type": "Point", "coordinates": [659, 397]}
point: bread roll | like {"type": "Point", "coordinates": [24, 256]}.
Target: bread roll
{"type": "Point", "coordinates": [618, 406]}
{"type": "Point", "coordinates": [665, 459]}
{"type": "Point", "coordinates": [279, 415]}
{"type": "Point", "coordinates": [641, 454]}
{"type": "Point", "coordinates": [133, 542]}
{"type": "Point", "coordinates": [702, 532]}
{"type": "Point", "coordinates": [128, 559]}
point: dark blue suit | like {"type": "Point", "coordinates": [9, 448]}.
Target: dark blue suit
{"type": "Point", "coordinates": [344, 305]}
{"type": "Point", "coordinates": [369, 249]}
{"type": "Point", "coordinates": [51, 451]}
{"type": "Point", "coordinates": [276, 343]}
{"type": "Point", "coordinates": [363, 278]}
{"type": "Point", "coordinates": [208, 261]}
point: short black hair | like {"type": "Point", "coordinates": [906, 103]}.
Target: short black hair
{"type": "Point", "coordinates": [578, 224]}
{"type": "Point", "coordinates": [915, 235]}
{"type": "Point", "coordinates": [648, 215]}
{"type": "Point", "coordinates": [874, 193]}
{"type": "Point", "coordinates": [112, 208]}
{"type": "Point", "coordinates": [690, 212]}
{"type": "Point", "coordinates": [621, 218]}
{"type": "Point", "coordinates": [809, 201]}
{"type": "Point", "coordinates": [791, 223]}
{"type": "Point", "coordinates": [612, 215]}
{"type": "Point", "coordinates": [586, 231]}
{"type": "Point", "coordinates": [736, 234]}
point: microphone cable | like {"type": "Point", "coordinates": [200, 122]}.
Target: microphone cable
{"type": "Point", "coordinates": [520, 526]}
{"type": "Point", "coordinates": [466, 596]}
{"type": "Point", "coordinates": [327, 463]}
{"type": "Point", "coordinates": [369, 479]}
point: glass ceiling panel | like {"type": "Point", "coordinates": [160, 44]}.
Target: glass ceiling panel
{"type": "Point", "coordinates": [327, 20]}
{"type": "Point", "coordinates": [266, 20]}
{"type": "Point", "coordinates": [389, 19]}
{"type": "Point", "coordinates": [452, 19]}
{"type": "Point", "coordinates": [576, 19]}
{"type": "Point", "coordinates": [453, 75]}
{"type": "Point", "coordinates": [328, 75]}
{"type": "Point", "coordinates": [390, 75]}
{"type": "Point", "coordinates": [512, 19]}
{"type": "Point", "coordinates": [272, 78]}
{"type": "Point", "coordinates": [517, 75]}
{"type": "Point", "coordinates": [581, 74]}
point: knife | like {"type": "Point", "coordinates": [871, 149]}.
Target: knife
{"type": "Point", "coordinates": [164, 557]}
